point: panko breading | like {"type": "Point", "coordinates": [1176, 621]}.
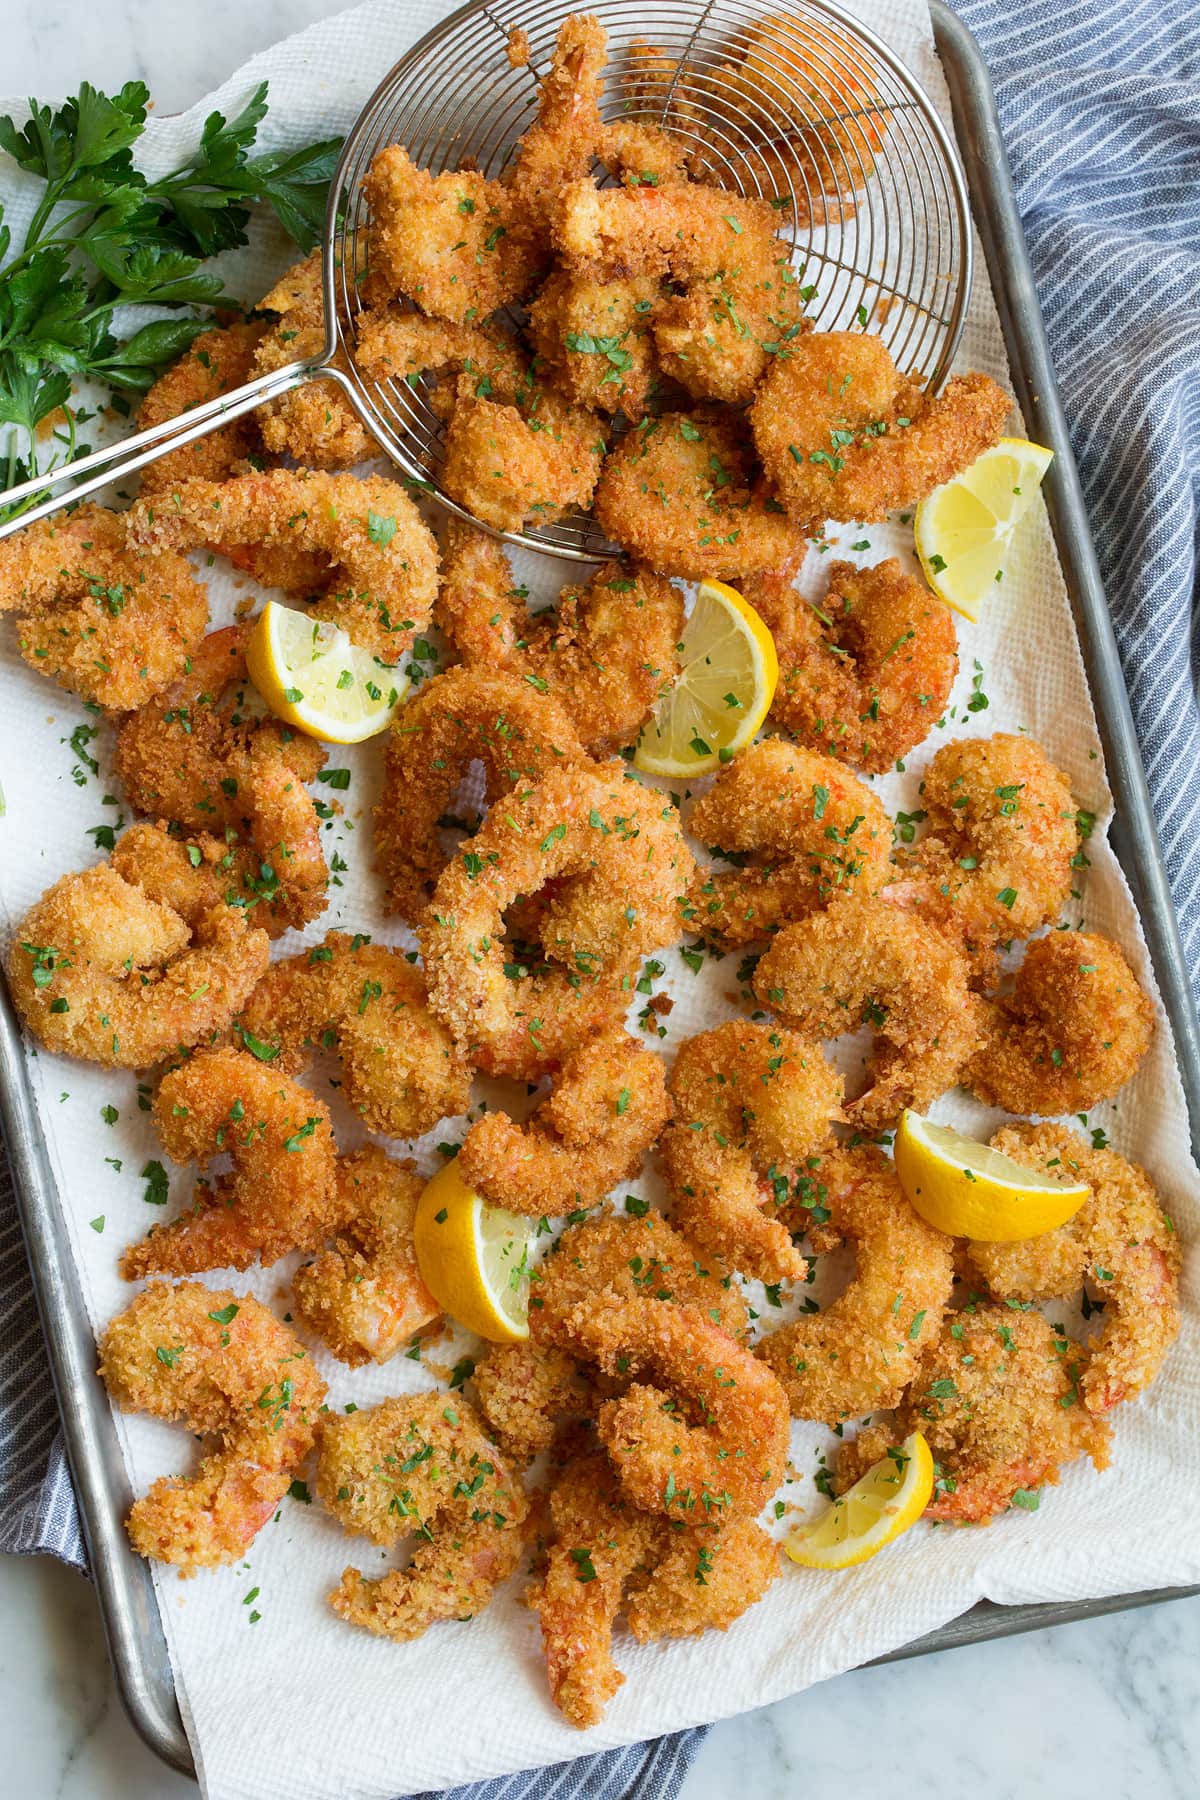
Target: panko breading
{"type": "Point", "coordinates": [865, 673]}
{"type": "Point", "coordinates": [98, 615]}
{"type": "Point", "coordinates": [516, 467]}
{"type": "Point", "coordinates": [860, 1354]}
{"type": "Point", "coordinates": [1072, 1031]}
{"type": "Point", "coordinates": [215, 362]}
{"type": "Point", "coordinates": [606, 652]}
{"type": "Point", "coordinates": [843, 435]}
{"type": "Point", "coordinates": [225, 1366]}
{"type": "Point", "coordinates": [626, 1257]}
{"type": "Point", "coordinates": [865, 962]}
{"type": "Point", "coordinates": [1120, 1245]}
{"type": "Point", "coordinates": [682, 494]}
{"type": "Point", "coordinates": [597, 338]}
{"type": "Point", "coordinates": [315, 424]}
{"type": "Point", "coordinates": [526, 1391]}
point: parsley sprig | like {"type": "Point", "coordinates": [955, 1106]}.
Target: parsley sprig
{"type": "Point", "coordinates": [103, 236]}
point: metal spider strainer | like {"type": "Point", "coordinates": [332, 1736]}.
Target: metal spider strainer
{"type": "Point", "coordinates": [801, 103]}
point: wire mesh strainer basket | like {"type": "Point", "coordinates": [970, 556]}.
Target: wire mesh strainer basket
{"type": "Point", "coordinates": [801, 104]}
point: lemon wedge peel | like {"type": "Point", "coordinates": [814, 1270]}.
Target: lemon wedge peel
{"type": "Point", "coordinates": [727, 679]}
{"type": "Point", "coordinates": [474, 1258]}
{"type": "Point", "coordinates": [962, 530]}
{"type": "Point", "coordinates": [881, 1506]}
{"type": "Point", "coordinates": [967, 1189]}
{"type": "Point", "coordinates": [314, 678]}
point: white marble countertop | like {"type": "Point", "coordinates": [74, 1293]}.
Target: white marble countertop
{"type": "Point", "coordinates": [1105, 1710]}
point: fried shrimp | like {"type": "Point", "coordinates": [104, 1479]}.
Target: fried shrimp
{"type": "Point", "coordinates": [102, 619]}
{"type": "Point", "coordinates": [843, 435]}
{"type": "Point", "coordinates": [446, 242]}
{"type": "Point", "coordinates": [753, 1106]}
{"type": "Point", "coordinates": [525, 1391]}
{"type": "Point", "coordinates": [464, 716]}
{"type": "Point", "coordinates": [865, 675]}
{"type": "Point", "coordinates": [706, 1578]}
{"type": "Point", "coordinates": [860, 1354]}
{"type": "Point", "coordinates": [609, 835]}
{"type": "Point", "coordinates": [802, 831]}
{"type": "Point", "coordinates": [561, 144]}
{"type": "Point", "coordinates": [364, 1298]}
{"type": "Point", "coordinates": [382, 575]}
{"type": "Point", "coordinates": [995, 862]}
{"type": "Point", "coordinates": [279, 1194]}
{"type": "Point", "coordinates": [315, 424]}
{"type": "Point", "coordinates": [1071, 1032]}
{"type": "Point", "coordinates": [215, 362]}
{"type": "Point", "coordinates": [401, 1070]}
{"type": "Point", "coordinates": [226, 1367]}
{"type": "Point", "coordinates": [193, 757]}
{"type": "Point", "coordinates": [997, 1398]}
{"type": "Point", "coordinates": [865, 962]}
{"type": "Point", "coordinates": [607, 651]}
{"type": "Point", "coordinates": [598, 1540]}
{"type": "Point", "coordinates": [1120, 1246]}
{"type": "Point", "coordinates": [681, 493]}
{"type": "Point", "coordinates": [597, 339]}
{"type": "Point", "coordinates": [396, 345]}
{"type": "Point", "coordinates": [626, 1258]}
{"type": "Point", "coordinates": [607, 1107]}
{"type": "Point", "coordinates": [104, 970]}
{"type": "Point", "coordinates": [516, 466]}
{"type": "Point", "coordinates": [420, 1466]}
{"type": "Point", "coordinates": [732, 1459]}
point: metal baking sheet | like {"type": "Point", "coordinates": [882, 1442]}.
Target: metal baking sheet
{"type": "Point", "coordinates": [123, 1583]}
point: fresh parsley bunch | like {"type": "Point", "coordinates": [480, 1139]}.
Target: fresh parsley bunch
{"type": "Point", "coordinates": [104, 237]}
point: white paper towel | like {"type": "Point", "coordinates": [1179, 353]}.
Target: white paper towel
{"type": "Point", "coordinates": [281, 1700]}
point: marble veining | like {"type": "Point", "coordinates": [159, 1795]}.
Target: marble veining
{"type": "Point", "coordinates": [1104, 1710]}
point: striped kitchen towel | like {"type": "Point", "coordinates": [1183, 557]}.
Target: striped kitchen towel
{"type": "Point", "coordinates": [1100, 105]}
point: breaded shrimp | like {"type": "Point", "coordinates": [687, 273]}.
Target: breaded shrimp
{"type": "Point", "coordinates": [599, 1539]}
{"type": "Point", "coordinates": [1120, 1245]}
{"type": "Point", "coordinates": [802, 831]}
{"type": "Point", "coordinates": [104, 620]}
{"type": "Point", "coordinates": [753, 1106]}
{"type": "Point", "coordinates": [866, 674]}
{"type": "Point", "coordinates": [863, 961]}
{"type": "Point", "coordinates": [524, 1392]}
{"type": "Point", "coordinates": [843, 435]}
{"type": "Point", "coordinates": [607, 1107]}
{"type": "Point", "coordinates": [401, 1069]}
{"type": "Point", "coordinates": [464, 716]}
{"type": "Point", "coordinates": [449, 242]}
{"type": "Point", "coordinates": [682, 493]}
{"type": "Point", "coordinates": [279, 1194]}
{"type": "Point", "coordinates": [421, 1466]}
{"type": "Point", "coordinates": [226, 1367]}
{"type": "Point", "coordinates": [395, 345]}
{"type": "Point", "coordinates": [624, 839]}
{"type": "Point", "coordinates": [860, 1354]}
{"type": "Point", "coordinates": [383, 559]}
{"type": "Point", "coordinates": [215, 362]}
{"type": "Point", "coordinates": [561, 144]}
{"type": "Point", "coordinates": [314, 424]}
{"type": "Point", "coordinates": [365, 1298]}
{"type": "Point", "coordinates": [1071, 1032]}
{"type": "Point", "coordinates": [102, 969]}
{"type": "Point", "coordinates": [995, 863]}
{"type": "Point", "coordinates": [607, 651]}
{"type": "Point", "coordinates": [707, 1576]}
{"type": "Point", "coordinates": [997, 1398]}
{"type": "Point", "coordinates": [516, 467]}
{"type": "Point", "coordinates": [627, 1259]}
{"type": "Point", "coordinates": [597, 338]}
{"type": "Point", "coordinates": [192, 756]}
{"type": "Point", "coordinates": [731, 1460]}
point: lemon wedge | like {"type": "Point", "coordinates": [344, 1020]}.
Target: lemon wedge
{"type": "Point", "coordinates": [726, 682]}
{"type": "Point", "coordinates": [474, 1259]}
{"type": "Point", "coordinates": [313, 677]}
{"type": "Point", "coordinates": [970, 1190]}
{"type": "Point", "coordinates": [963, 529]}
{"type": "Point", "coordinates": [880, 1506]}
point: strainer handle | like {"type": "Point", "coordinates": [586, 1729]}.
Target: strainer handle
{"type": "Point", "coordinates": [133, 453]}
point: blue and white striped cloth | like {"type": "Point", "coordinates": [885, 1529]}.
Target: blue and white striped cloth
{"type": "Point", "coordinates": [1100, 104]}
